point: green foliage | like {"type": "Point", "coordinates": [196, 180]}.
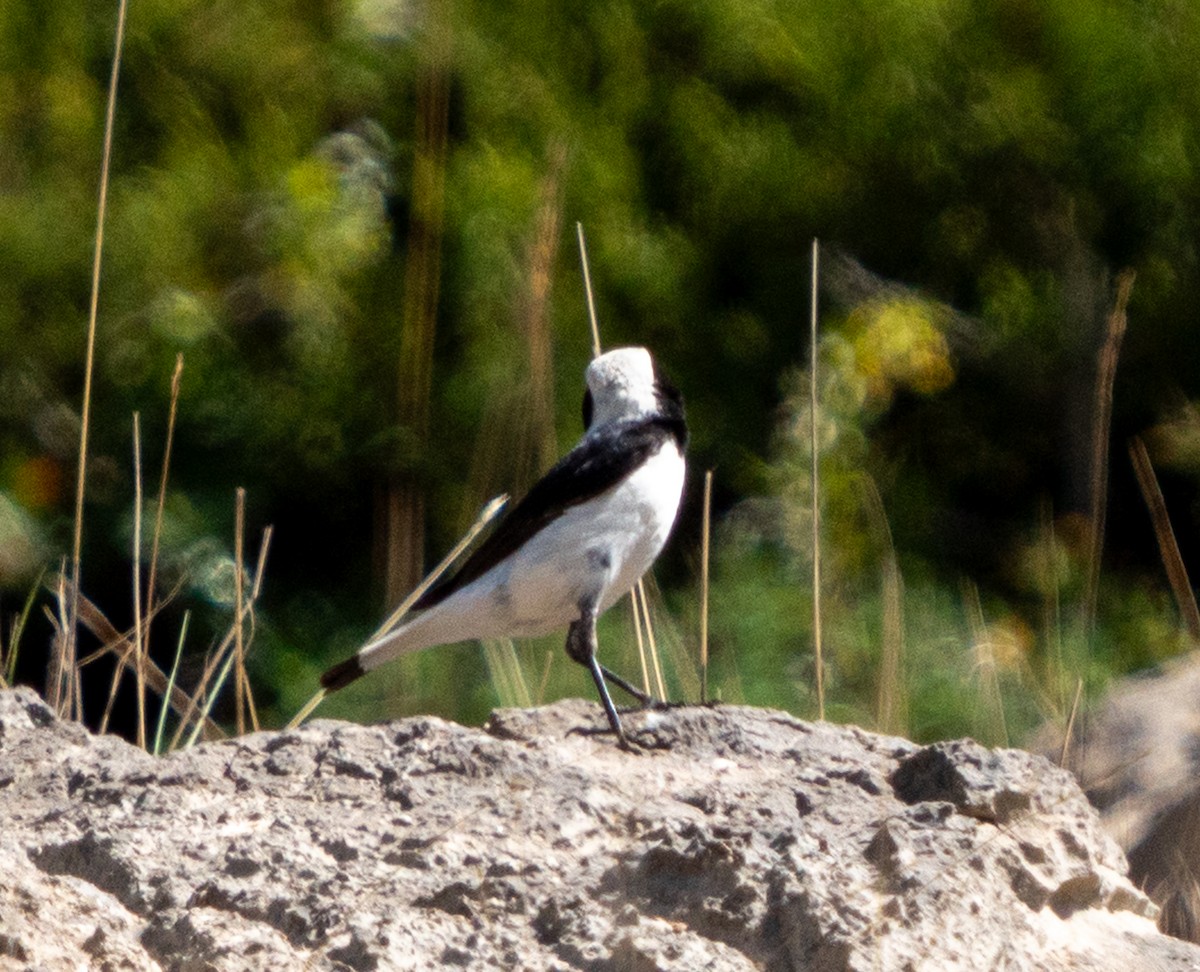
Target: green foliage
{"type": "Point", "coordinates": [1003, 159]}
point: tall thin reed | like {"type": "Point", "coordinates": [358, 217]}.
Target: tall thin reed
{"type": "Point", "coordinates": [654, 656]}
{"type": "Point", "coordinates": [113, 641]}
{"type": "Point", "coordinates": [162, 709]}
{"type": "Point", "coordinates": [987, 665]}
{"type": "Point", "coordinates": [8, 656]}
{"type": "Point", "coordinates": [138, 643]}
{"type": "Point", "coordinates": [639, 589]}
{"type": "Point", "coordinates": [222, 651]}
{"type": "Point", "coordinates": [1106, 374]}
{"type": "Point", "coordinates": [816, 483]}
{"type": "Point", "coordinates": [587, 290]}
{"type": "Point", "coordinates": [239, 646]}
{"type": "Point", "coordinates": [63, 664]}
{"type": "Point", "coordinates": [636, 614]}
{"type": "Point", "coordinates": [705, 533]}
{"type": "Point", "coordinates": [891, 714]}
{"type": "Point", "coordinates": [152, 571]}
{"type": "Point", "coordinates": [1168, 546]}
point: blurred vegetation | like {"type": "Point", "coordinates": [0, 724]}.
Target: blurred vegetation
{"type": "Point", "coordinates": [979, 173]}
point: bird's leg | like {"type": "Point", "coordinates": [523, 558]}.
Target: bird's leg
{"type": "Point", "coordinates": [643, 699]}
{"type": "Point", "coordinates": [581, 648]}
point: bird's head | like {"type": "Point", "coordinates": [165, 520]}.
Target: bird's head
{"type": "Point", "coordinates": [626, 384]}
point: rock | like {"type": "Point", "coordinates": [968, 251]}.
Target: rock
{"type": "Point", "coordinates": [1137, 756]}
{"type": "Point", "coordinates": [738, 839]}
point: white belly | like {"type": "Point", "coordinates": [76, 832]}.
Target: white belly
{"type": "Point", "coordinates": [594, 551]}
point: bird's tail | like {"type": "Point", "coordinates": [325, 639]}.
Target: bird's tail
{"type": "Point", "coordinates": [422, 631]}
{"type": "Point", "coordinates": [342, 674]}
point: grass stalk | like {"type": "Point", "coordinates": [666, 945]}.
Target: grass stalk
{"type": "Point", "coordinates": [818, 653]}
{"type": "Point", "coordinates": [891, 700]}
{"type": "Point", "coordinates": [987, 664]}
{"type": "Point", "coordinates": [404, 506]}
{"type": "Point", "coordinates": [486, 515]}
{"type": "Point", "coordinates": [587, 289]}
{"type": "Point", "coordinates": [239, 647]}
{"type": "Point", "coordinates": [654, 655]}
{"type": "Point", "coordinates": [152, 571]}
{"type": "Point", "coordinates": [1168, 546]}
{"type": "Point", "coordinates": [505, 669]}
{"type": "Point", "coordinates": [705, 534]}
{"type": "Point", "coordinates": [1070, 729]}
{"type": "Point", "coordinates": [223, 650]}
{"type": "Point", "coordinates": [138, 643]}
{"type": "Point", "coordinates": [639, 589]}
{"type": "Point", "coordinates": [545, 679]}
{"type": "Point", "coordinates": [208, 702]}
{"type": "Point", "coordinates": [111, 640]}
{"type": "Point", "coordinates": [8, 656]}
{"type": "Point", "coordinates": [636, 611]}
{"type": "Point", "coordinates": [1052, 610]}
{"type": "Point", "coordinates": [63, 671]}
{"type": "Point", "coordinates": [164, 706]}
{"type": "Point", "coordinates": [1106, 373]}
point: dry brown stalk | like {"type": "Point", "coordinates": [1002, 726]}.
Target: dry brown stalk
{"type": "Point", "coordinates": [1106, 373]}
{"type": "Point", "coordinates": [1168, 547]}
{"type": "Point", "coordinates": [112, 640]}
{"type": "Point", "coordinates": [63, 669]}
{"type": "Point", "coordinates": [152, 572]}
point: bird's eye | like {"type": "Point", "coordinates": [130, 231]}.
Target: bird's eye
{"type": "Point", "coordinates": [587, 410]}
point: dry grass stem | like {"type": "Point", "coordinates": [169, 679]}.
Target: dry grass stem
{"type": "Point", "coordinates": [162, 709]}
{"type": "Point", "coordinates": [486, 515]}
{"type": "Point", "coordinates": [8, 656]}
{"type": "Point", "coordinates": [306, 710]}
{"type": "Point", "coordinates": [505, 669]}
{"type": "Point", "coordinates": [152, 572]}
{"type": "Point", "coordinates": [240, 687]}
{"type": "Point", "coordinates": [517, 440]}
{"type": "Point", "coordinates": [63, 668]}
{"type": "Point", "coordinates": [587, 289]}
{"type": "Point", "coordinates": [1168, 547]}
{"type": "Point", "coordinates": [705, 534]}
{"type": "Point", "coordinates": [535, 320]}
{"type": "Point", "coordinates": [635, 608]}
{"type": "Point", "coordinates": [654, 656]}
{"type": "Point", "coordinates": [1052, 609]}
{"type": "Point", "coordinates": [639, 588]}
{"type": "Point", "coordinates": [210, 699]}
{"type": "Point", "coordinates": [139, 650]}
{"type": "Point", "coordinates": [818, 654]}
{"type": "Point", "coordinates": [1106, 373]}
{"type": "Point", "coordinates": [891, 699]}
{"type": "Point", "coordinates": [1070, 729]}
{"type": "Point", "coordinates": [545, 679]}
{"type": "Point", "coordinates": [112, 640]}
{"type": "Point", "coordinates": [223, 651]}
{"type": "Point", "coordinates": [986, 664]}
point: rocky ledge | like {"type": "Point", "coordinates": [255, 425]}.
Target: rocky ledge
{"type": "Point", "coordinates": [737, 839]}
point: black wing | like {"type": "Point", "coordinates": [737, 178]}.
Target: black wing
{"type": "Point", "coordinates": [596, 465]}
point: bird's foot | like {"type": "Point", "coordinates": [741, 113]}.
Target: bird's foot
{"type": "Point", "coordinates": [623, 740]}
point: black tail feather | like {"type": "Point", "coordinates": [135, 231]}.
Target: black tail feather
{"type": "Point", "coordinates": [342, 674]}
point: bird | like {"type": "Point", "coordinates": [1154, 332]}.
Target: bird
{"type": "Point", "coordinates": [578, 541]}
